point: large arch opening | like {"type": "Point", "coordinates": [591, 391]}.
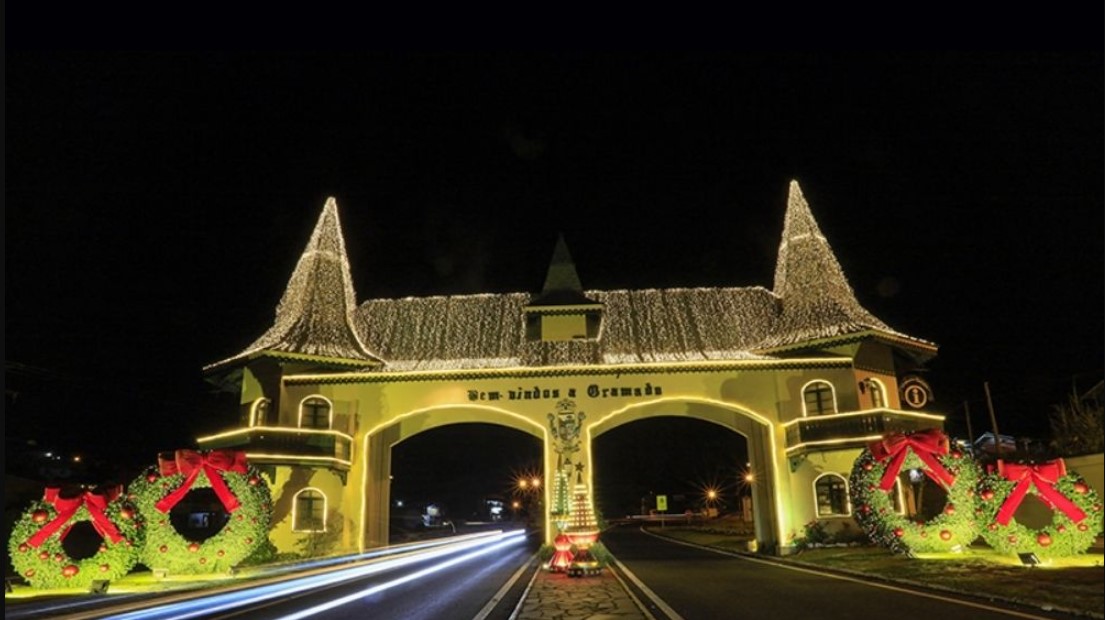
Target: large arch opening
{"type": "Point", "coordinates": [739, 457]}
{"type": "Point", "coordinates": [432, 472]}
{"type": "Point", "coordinates": [695, 465]}
{"type": "Point", "coordinates": [464, 477]}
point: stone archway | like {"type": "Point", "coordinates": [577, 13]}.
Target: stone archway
{"type": "Point", "coordinates": [378, 444]}
{"type": "Point", "coordinates": [756, 430]}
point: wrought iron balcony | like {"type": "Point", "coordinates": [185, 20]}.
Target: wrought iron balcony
{"type": "Point", "coordinates": [277, 445]}
{"type": "Point", "coordinates": [853, 429]}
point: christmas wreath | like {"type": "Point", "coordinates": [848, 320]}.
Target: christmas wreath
{"type": "Point", "coordinates": [244, 496]}
{"type": "Point", "coordinates": [1076, 509]}
{"type": "Point", "coordinates": [872, 482]}
{"type": "Point", "coordinates": [37, 548]}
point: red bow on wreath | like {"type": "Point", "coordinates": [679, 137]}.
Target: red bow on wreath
{"type": "Point", "coordinates": [191, 463]}
{"type": "Point", "coordinates": [95, 502]}
{"type": "Point", "coordinates": [1043, 476]}
{"type": "Point", "coordinates": [927, 445]}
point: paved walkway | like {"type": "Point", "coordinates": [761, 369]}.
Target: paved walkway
{"type": "Point", "coordinates": [555, 596]}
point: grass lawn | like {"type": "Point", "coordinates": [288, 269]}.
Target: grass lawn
{"type": "Point", "coordinates": [1075, 584]}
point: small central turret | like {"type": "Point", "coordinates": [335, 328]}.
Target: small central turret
{"type": "Point", "coordinates": [562, 311]}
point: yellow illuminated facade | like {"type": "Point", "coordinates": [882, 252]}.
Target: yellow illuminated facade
{"type": "Point", "coordinates": [803, 372]}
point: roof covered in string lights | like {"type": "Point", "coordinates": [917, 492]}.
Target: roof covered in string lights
{"type": "Point", "coordinates": [811, 302]}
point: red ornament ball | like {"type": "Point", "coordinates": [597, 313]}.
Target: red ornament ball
{"type": "Point", "coordinates": [1082, 527]}
{"type": "Point", "coordinates": [899, 532]}
{"type": "Point", "coordinates": [1061, 528]}
{"type": "Point", "coordinates": [1081, 488]}
{"type": "Point", "coordinates": [70, 570]}
{"type": "Point", "coordinates": [127, 513]}
{"type": "Point", "coordinates": [24, 547]}
{"type": "Point", "coordinates": [104, 568]}
{"type": "Point", "coordinates": [163, 548]}
{"type": "Point", "coordinates": [949, 509]}
{"type": "Point", "coordinates": [194, 547]}
{"type": "Point", "coordinates": [30, 572]}
{"type": "Point", "coordinates": [103, 548]}
{"type": "Point", "coordinates": [945, 535]}
{"type": "Point", "coordinates": [956, 454]}
{"type": "Point", "coordinates": [151, 478]}
{"type": "Point", "coordinates": [43, 555]}
{"type": "Point", "coordinates": [59, 557]}
{"type": "Point", "coordinates": [1012, 539]}
{"type": "Point", "coordinates": [1043, 539]}
{"type": "Point", "coordinates": [254, 481]}
{"type": "Point", "coordinates": [987, 494]}
{"type": "Point", "coordinates": [39, 516]}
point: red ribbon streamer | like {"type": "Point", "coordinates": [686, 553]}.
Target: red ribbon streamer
{"type": "Point", "coordinates": [95, 502]}
{"type": "Point", "coordinates": [927, 445]}
{"type": "Point", "coordinates": [1043, 476]}
{"type": "Point", "coordinates": [191, 464]}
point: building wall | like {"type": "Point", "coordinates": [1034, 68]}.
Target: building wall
{"type": "Point", "coordinates": [754, 399]}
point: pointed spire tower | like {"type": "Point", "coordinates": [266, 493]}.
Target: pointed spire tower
{"type": "Point", "coordinates": [562, 283]}
{"type": "Point", "coordinates": [562, 311]}
{"type": "Point", "coordinates": [817, 301]}
{"type": "Point", "coordinates": [315, 316]}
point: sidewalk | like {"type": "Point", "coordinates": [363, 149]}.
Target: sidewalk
{"type": "Point", "coordinates": [555, 596]}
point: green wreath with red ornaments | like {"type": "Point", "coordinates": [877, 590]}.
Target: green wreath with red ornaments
{"type": "Point", "coordinates": [872, 482]}
{"type": "Point", "coordinates": [1076, 516]}
{"type": "Point", "coordinates": [240, 489]}
{"type": "Point", "coordinates": [37, 548]}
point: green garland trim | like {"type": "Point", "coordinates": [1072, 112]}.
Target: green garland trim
{"type": "Point", "coordinates": [166, 548]}
{"type": "Point", "coordinates": [873, 508]}
{"type": "Point", "coordinates": [1060, 538]}
{"type": "Point", "coordinates": [49, 566]}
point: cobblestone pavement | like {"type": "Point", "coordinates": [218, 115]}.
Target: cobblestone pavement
{"type": "Point", "coordinates": [597, 597]}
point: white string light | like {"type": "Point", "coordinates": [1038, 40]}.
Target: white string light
{"type": "Point", "coordinates": [811, 300]}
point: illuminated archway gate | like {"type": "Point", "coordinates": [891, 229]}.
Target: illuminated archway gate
{"type": "Point", "coordinates": [566, 408]}
{"type": "Point", "coordinates": [565, 365]}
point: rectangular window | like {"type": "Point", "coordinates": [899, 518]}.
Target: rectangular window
{"type": "Point", "coordinates": [832, 496]}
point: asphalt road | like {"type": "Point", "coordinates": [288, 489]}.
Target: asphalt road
{"type": "Point", "coordinates": [451, 585]}
{"type": "Point", "coordinates": [694, 583]}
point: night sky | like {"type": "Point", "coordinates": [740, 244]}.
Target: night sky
{"type": "Point", "coordinates": [157, 202]}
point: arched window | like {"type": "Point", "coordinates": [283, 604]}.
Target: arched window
{"type": "Point", "coordinates": [831, 493]}
{"type": "Point", "coordinates": [310, 511]}
{"type": "Point", "coordinates": [818, 398]}
{"type": "Point", "coordinates": [259, 412]}
{"type": "Point", "coordinates": [878, 393]}
{"type": "Point", "coordinates": [315, 412]}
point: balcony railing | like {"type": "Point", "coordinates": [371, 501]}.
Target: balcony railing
{"type": "Point", "coordinates": [854, 429]}
{"type": "Point", "coordinates": [287, 446]}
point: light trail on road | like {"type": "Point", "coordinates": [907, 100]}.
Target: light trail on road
{"type": "Point", "coordinates": [229, 601]}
